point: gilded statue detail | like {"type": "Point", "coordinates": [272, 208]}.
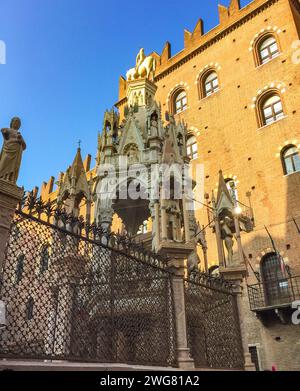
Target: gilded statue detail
{"type": "Point", "coordinates": [11, 154]}
{"type": "Point", "coordinates": [145, 67]}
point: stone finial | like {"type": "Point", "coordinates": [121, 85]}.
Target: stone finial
{"type": "Point", "coordinates": [12, 149]}
{"type": "Point", "coordinates": [223, 192]}
{"type": "Point", "coordinates": [75, 182]}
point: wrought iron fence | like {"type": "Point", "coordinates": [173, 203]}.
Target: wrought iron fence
{"type": "Point", "coordinates": [91, 298]}
{"type": "Point", "coordinates": [213, 324]}
{"type": "Point", "coordinates": [79, 293]}
{"type": "Point", "coordinates": [276, 292]}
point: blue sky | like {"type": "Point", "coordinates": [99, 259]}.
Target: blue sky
{"type": "Point", "coordinates": [64, 59]}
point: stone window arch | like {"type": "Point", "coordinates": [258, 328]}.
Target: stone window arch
{"type": "Point", "coordinates": [179, 101]}
{"type": "Point", "coordinates": [107, 126]}
{"type": "Point", "coordinates": [192, 147]}
{"type": "Point", "coordinates": [290, 158]}
{"type": "Point", "coordinates": [208, 83]}
{"type": "Point", "coordinates": [269, 108]}
{"type": "Point", "coordinates": [266, 48]}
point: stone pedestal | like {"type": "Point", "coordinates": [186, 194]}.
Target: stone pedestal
{"type": "Point", "coordinates": [236, 275]}
{"type": "Point", "coordinates": [10, 196]}
{"type": "Point", "coordinates": [140, 92]}
{"type": "Point", "coordinates": [178, 252]}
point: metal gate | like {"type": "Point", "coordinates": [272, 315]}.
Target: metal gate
{"type": "Point", "coordinates": [213, 324]}
{"type": "Point", "coordinates": [74, 292]}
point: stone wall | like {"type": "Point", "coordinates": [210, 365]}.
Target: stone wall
{"type": "Point", "coordinates": [277, 343]}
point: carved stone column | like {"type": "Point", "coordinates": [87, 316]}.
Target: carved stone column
{"type": "Point", "coordinates": [221, 256]}
{"type": "Point", "coordinates": [178, 252]}
{"type": "Point", "coordinates": [183, 351]}
{"type": "Point", "coordinates": [88, 212]}
{"type": "Point", "coordinates": [236, 275]}
{"type": "Point", "coordinates": [156, 226]}
{"type": "Point", "coordinates": [10, 196]}
{"type": "Point", "coordinates": [186, 219]}
{"type": "Point", "coordinates": [205, 258]}
{"type": "Point", "coordinates": [164, 233]}
{"type": "Point", "coordinates": [105, 217]}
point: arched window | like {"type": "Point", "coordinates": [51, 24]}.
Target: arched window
{"type": "Point", "coordinates": [44, 262]}
{"type": "Point", "coordinates": [192, 147]}
{"type": "Point", "coordinates": [210, 83]}
{"type": "Point", "coordinates": [107, 126]}
{"type": "Point", "coordinates": [275, 279]}
{"type": "Point", "coordinates": [290, 160]}
{"type": "Point", "coordinates": [19, 268]}
{"type": "Point", "coordinates": [179, 102]}
{"type": "Point", "coordinates": [267, 49]}
{"type": "Point", "coordinates": [115, 135]}
{"type": "Point", "coordinates": [270, 109]}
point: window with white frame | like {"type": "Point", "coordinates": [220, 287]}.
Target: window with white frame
{"type": "Point", "coordinates": [291, 160]}
{"type": "Point", "coordinates": [210, 84]}
{"type": "Point", "coordinates": [180, 102]}
{"type": "Point", "coordinates": [267, 49]}
{"type": "Point", "coordinates": [271, 109]}
{"type": "Point", "coordinates": [192, 147]}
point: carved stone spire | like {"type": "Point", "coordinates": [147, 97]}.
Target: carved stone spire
{"type": "Point", "coordinates": [75, 185]}
{"type": "Point", "coordinates": [171, 153]}
{"type": "Point", "coordinates": [224, 199]}
{"type": "Point", "coordinates": [77, 168]}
